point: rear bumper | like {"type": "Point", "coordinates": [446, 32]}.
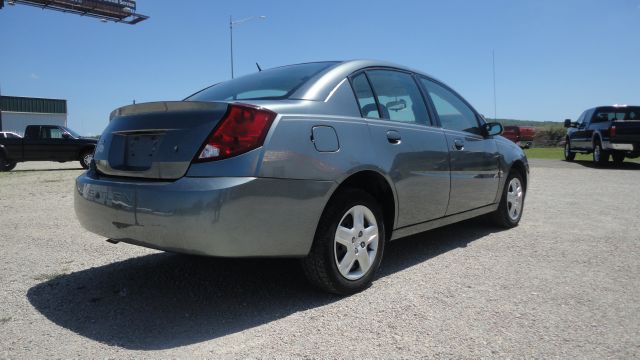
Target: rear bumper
{"type": "Point", "coordinates": [617, 146]}
{"type": "Point", "coordinates": [630, 145]}
{"type": "Point", "coordinates": [224, 216]}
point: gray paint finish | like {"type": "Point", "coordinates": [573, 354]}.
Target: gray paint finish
{"type": "Point", "coordinates": [268, 201]}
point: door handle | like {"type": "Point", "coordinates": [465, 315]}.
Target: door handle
{"type": "Point", "coordinates": [393, 137]}
{"type": "Point", "coordinates": [458, 144]}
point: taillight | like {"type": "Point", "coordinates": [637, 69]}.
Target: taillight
{"type": "Point", "coordinates": [242, 129]}
{"type": "Point", "coordinates": [612, 132]}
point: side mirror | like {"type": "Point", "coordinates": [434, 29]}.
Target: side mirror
{"type": "Point", "coordinates": [567, 123]}
{"type": "Point", "coordinates": [493, 128]}
{"type": "Point", "coordinates": [65, 135]}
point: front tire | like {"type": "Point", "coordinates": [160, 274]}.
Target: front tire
{"type": "Point", "coordinates": [7, 165]}
{"type": "Point", "coordinates": [349, 244]}
{"type": "Point", "coordinates": [509, 211]}
{"type": "Point", "coordinates": [568, 154]}
{"type": "Point", "coordinates": [86, 158]}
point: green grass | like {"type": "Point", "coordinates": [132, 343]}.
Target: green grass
{"type": "Point", "coordinates": [557, 154]}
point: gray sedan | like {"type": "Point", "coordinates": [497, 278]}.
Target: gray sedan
{"type": "Point", "coordinates": [324, 161]}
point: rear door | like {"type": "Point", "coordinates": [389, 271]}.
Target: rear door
{"type": "Point", "coordinates": [408, 147]}
{"type": "Point", "coordinates": [474, 158]}
{"type": "Point", "coordinates": [35, 143]}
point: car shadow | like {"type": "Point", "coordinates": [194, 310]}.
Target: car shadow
{"type": "Point", "coordinates": [627, 165]}
{"type": "Point", "coordinates": [41, 170]}
{"type": "Point", "coordinates": [163, 300]}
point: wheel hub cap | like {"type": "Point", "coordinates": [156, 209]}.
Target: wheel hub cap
{"type": "Point", "coordinates": [515, 196]}
{"type": "Point", "coordinates": [355, 258]}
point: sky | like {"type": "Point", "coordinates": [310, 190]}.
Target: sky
{"type": "Point", "coordinates": [553, 58]}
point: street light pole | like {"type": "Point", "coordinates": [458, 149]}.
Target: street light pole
{"type": "Point", "coordinates": [231, 42]}
{"type": "Point", "coordinates": [238, 22]}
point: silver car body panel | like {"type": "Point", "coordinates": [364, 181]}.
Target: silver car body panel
{"type": "Point", "coordinates": [268, 201]}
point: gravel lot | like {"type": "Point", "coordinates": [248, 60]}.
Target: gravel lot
{"type": "Point", "coordinates": [565, 283]}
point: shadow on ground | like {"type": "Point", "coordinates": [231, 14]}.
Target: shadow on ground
{"type": "Point", "coordinates": [627, 165]}
{"type": "Point", "coordinates": [162, 301]}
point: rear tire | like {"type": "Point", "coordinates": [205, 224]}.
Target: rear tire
{"type": "Point", "coordinates": [618, 158]}
{"type": "Point", "coordinates": [600, 157]}
{"type": "Point", "coordinates": [348, 245]}
{"type": "Point", "coordinates": [85, 159]}
{"type": "Point", "coordinates": [511, 205]}
{"type": "Point", "coordinates": [568, 154]}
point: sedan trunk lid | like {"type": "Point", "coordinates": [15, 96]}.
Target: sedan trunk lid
{"type": "Point", "coordinates": [156, 140]}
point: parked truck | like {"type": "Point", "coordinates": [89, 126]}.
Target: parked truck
{"type": "Point", "coordinates": [604, 131]}
{"type": "Point", "coordinates": [521, 135]}
{"type": "Point", "coordinates": [46, 143]}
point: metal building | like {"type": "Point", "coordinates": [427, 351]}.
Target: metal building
{"type": "Point", "coordinates": [17, 112]}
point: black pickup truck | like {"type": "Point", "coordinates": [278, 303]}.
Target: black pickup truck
{"type": "Point", "coordinates": [46, 143]}
{"type": "Point", "coordinates": [604, 131]}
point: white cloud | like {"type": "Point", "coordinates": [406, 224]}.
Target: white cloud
{"type": "Point", "coordinates": [34, 76]}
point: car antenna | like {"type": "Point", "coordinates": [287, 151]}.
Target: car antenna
{"type": "Point", "coordinates": [259, 68]}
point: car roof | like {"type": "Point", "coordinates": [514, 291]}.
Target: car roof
{"type": "Point", "coordinates": [320, 86]}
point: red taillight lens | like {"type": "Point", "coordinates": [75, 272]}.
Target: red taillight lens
{"type": "Point", "coordinates": [612, 132]}
{"type": "Point", "coordinates": [243, 128]}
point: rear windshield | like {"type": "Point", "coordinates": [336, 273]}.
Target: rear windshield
{"type": "Point", "coordinates": [277, 83]}
{"type": "Point", "coordinates": [617, 113]}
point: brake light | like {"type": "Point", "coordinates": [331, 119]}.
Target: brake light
{"type": "Point", "coordinates": [612, 132]}
{"type": "Point", "coordinates": [242, 129]}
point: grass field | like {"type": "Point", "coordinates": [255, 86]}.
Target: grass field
{"type": "Point", "coordinates": [557, 153]}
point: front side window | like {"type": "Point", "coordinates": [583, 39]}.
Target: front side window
{"type": "Point", "coordinates": [276, 83]}
{"type": "Point", "coordinates": [399, 96]}
{"type": "Point", "coordinates": [454, 114]}
{"type": "Point", "coordinates": [364, 95]}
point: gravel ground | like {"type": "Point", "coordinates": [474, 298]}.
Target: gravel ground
{"type": "Point", "coordinates": [565, 283]}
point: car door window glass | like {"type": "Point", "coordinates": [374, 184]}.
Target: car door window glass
{"type": "Point", "coordinates": [454, 114]}
{"type": "Point", "coordinates": [366, 102]}
{"type": "Point", "coordinates": [399, 96]}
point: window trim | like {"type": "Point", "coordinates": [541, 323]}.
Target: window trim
{"type": "Point", "coordinates": [375, 98]}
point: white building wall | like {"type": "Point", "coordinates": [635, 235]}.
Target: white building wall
{"type": "Point", "coordinates": [18, 121]}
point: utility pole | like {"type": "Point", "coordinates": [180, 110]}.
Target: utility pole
{"type": "Point", "coordinates": [495, 106]}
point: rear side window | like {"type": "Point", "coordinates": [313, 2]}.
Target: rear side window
{"type": "Point", "coordinates": [277, 83]}
{"type": "Point", "coordinates": [454, 114]}
{"type": "Point", "coordinates": [617, 113]}
{"type": "Point", "coordinates": [366, 102]}
{"type": "Point", "coordinates": [399, 96]}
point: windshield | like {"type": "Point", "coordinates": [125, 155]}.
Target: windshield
{"type": "Point", "coordinates": [277, 83]}
{"type": "Point", "coordinates": [73, 133]}
{"type": "Point", "coordinates": [618, 113]}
